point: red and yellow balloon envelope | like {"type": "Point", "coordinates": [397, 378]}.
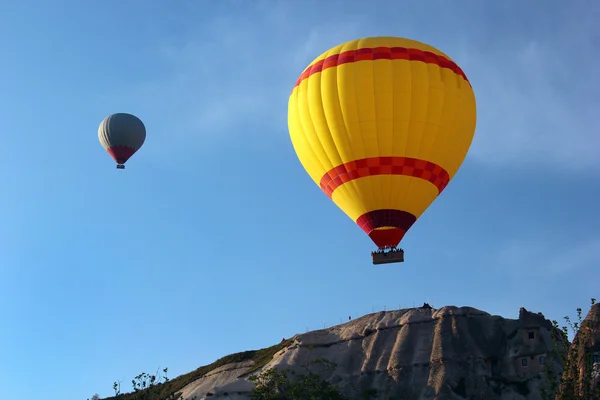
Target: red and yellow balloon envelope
{"type": "Point", "coordinates": [382, 125]}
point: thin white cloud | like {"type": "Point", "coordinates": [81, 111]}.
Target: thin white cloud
{"type": "Point", "coordinates": [537, 90]}
{"type": "Point", "coordinates": [532, 107]}
{"type": "Point", "coordinates": [529, 115]}
{"type": "Point", "coordinates": [547, 257]}
{"type": "Point", "coordinates": [239, 78]}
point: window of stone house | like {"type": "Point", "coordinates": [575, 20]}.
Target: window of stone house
{"type": "Point", "coordinates": [524, 362]}
{"type": "Point", "coordinates": [495, 368]}
{"type": "Point", "coordinates": [531, 334]}
{"type": "Point", "coordinates": [543, 360]}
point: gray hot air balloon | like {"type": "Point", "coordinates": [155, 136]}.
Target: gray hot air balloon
{"type": "Point", "coordinates": [121, 135]}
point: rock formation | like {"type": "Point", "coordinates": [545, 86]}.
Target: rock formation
{"type": "Point", "coordinates": [418, 353]}
{"type": "Point", "coordinates": [587, 343]}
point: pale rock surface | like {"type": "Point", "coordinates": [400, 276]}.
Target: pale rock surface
{"type": "Point", "coordinates": [589, 343]}
{"type": "Point", "coordinates": [417, 353]}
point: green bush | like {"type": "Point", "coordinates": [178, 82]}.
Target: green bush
{"type": "Point", "coordinates": [275, 384]}
{"type": "Point", "coordinates": [570, 383]}
{"type": "Point", "coordinates": [154, 387]}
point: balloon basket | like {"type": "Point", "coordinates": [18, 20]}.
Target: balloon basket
{"type": "Point", "coordinates": [388, 256]}
{"type": "Point", "coordinates": [120, 166]}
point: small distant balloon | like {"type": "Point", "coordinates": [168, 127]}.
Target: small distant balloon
{"type": "Point", "coordinates": [121, 135]}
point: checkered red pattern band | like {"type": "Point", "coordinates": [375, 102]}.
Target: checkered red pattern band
{"type": "Point", "coordinates": [414, 167]}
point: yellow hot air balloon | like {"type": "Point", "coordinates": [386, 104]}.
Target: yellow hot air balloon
{"type": "Point", "coordinates": [382, 124]}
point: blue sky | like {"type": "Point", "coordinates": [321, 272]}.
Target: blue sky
{"type": "Point", "coordinates": [193, 252]}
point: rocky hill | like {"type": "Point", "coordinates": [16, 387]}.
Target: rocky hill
{"type": "Point", "coordinates": [417, 353]}
{"type": "Point", "coordinates": [587, 346]}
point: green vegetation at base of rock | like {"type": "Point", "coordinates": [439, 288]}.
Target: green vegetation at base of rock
{"type": "Point", "coordinates": [161, 390]}
{"type": "Point", "coordinates": [575, 380]}
{"type": "Point", "coordinates": [283, 384]}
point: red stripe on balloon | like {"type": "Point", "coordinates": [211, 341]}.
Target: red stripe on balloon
{"type": "Point", "coordinates": [397, 223]}
{"type": "Point", "coordinates": [121, 153]}
{"type": "Point", "coordinates": [407, 166]}
{"type": "Point", "coordinates": [381, 53]}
